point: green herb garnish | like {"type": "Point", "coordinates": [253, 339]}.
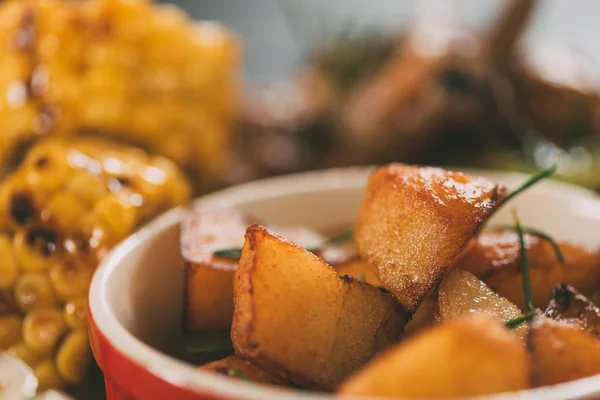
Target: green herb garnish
{"type": "Point", "coordinates": [526, 185]}
{"type": "Point", "coordinates": [236, 252]}
{"type": "Point", "coordinates": [526, 278]}
{"type": "Point", "coordinates": [559, 254]}
{"type": "Point", "coordinates": [513, 323]}
{"type": "Point", "coordinates": [382, 289]}
{"type": "Point", "coordinates": [209, 348]}
{"type": "Point", "coordinates": [236, 373]}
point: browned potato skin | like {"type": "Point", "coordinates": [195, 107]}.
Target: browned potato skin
{"type": "Point", "coordinates": [571, 307]}
{"type": "Point", "coordinates": [561, 353]}
{"type": "Point", "coordinates": [470, 356]}
{"type": "Point", "coordinates": [462, 293]}
{"type": "Point", "coordinates": [414, 222]}
{"type": "Point", "coordinates": [358, 269]}
{"type": "Point", "coordinates": [294, 316]}
{"type": "Point", "coordinates": [248, 370]}
{"type": "Point", "coordinates": [495, 258]}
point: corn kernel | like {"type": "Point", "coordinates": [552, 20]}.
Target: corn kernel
{"type": "Point", "coordinates": [34, 291]}
{"type": "Point", "coordinates": [75, 313]}
{"type": "Point", "coordinates": [42, 329]}
{"type": "Point", "coordinates": [71, 278]}
{"type": "Point", "coordinates": [35, 247]}
{"type": "Point", "coordinates": [73, 356]}
{"type": "Point", "coordinates": [66, 210]}
{"type": "Point", "coordinates": [9, 267]}
{"type": "Point", "coordinates": [117, 215]}
{"type": "Point", "coordinates": [48, 376]}
{"type": "Point", "coordinates": [10, 330]}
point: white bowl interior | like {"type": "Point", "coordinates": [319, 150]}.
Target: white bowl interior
{"type": "Point", "coordinates": [137, 295]}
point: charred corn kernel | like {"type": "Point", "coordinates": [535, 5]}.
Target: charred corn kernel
{"type": "Point", "coordinates": [66, 210]}
{"type": "Point", "coordinates": [116, 71]}
{"type": "Point", "coordinates": [73, 356]}
{"type": "Point", "coordinates": [71, 278]}
{"type": "Point", "coordinates": [89, 188]}
{"type": "Point", "coordinates": [48, 375]}
{"type": "Point", "coordinates": [9, 268]}
{"type": "Point", "coordinates": [34, 291]}
{"type": "Point", "coordinates": [42, 329]}
{"type": "Point", "coordinates": [35, 247]}
{"type": "Point", "coordinates": [75, 313]}
{"type": "Point", "coordinates": [20, 350]}
{"type": "Point", "coordinates": [53, 236]}
{"type": "Point", "coordinates": [47, 169]}
{"type": "Point", "coordinates": [10, 330]}
{"type": "Point", "coordinates": [117, 214]}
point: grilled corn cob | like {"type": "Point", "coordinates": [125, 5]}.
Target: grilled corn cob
{"type": "Point", "coordinates": [60, 211]}
{"type": "Point", "coordinates": [140, 73]}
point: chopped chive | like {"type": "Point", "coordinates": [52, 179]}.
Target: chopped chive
{"type": "Point", "coordinates": [513, 323]}
{"type": "Point", "coordinates": [236, 373]}
{"type": "Point", "coordinates": [526, 185]}
{"type": "Point", "coordinates": [236, 252]}
{"type": "Point", "coordinates": [524, 262]}
{"type": "Point", "coordinates": [557, 250]}
{"type": "Point", "coordinates": [382, 289]}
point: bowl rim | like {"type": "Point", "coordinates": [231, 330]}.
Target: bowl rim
{"type": "Point", "coordinates": [186, 376]}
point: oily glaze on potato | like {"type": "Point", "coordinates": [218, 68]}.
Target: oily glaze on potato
{"type": "Point", "coordinates": [414, 221]}
{"type": "Point", "coordinates": [293, 314]}
{"type": "Point", "coordinates": [571, 307]}
{"type": "Point", "coordinates": [208, 278]}
{"type": "Point", "coordinates": [473, 355]}
{"type": "Point", "coordinates": [462, 293]}
{"type": "Point", "coordinates": [235, 367]}
{"type": "Point", "coordinates": [495, 258]}
{"type": "Point", "coordinates": [561, 352]}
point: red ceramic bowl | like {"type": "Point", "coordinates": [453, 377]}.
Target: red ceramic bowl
{"type": "Point", "coordinates": [136, 295]}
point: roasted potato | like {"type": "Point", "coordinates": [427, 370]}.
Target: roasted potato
{"type": "Point", "coordinates": [359, 269]}
{"type": "Point", "coordinates": [236, 367]}
{"type": "Point", "coordinates": [473, 355]}
{"type": "Point", "coordinates": [209, 278]}
{"type": "Point", "coordinates": [425, 314]}
{"type": "Point", "coordinates": [570, 306]}
{"type": "Point", "coordinates": [293, 314]}
{"type": "Point", "coordinates": [561, 352]}
{"type": "Point", "coordinates": [462, 293]}
{"type": "Point", "coordinates": [414, 222]}
{"type": "Point", "coordinates": [495, 258]}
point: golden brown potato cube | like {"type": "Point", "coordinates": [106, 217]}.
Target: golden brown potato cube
{"type": "Point", "coordinates": [209, 278]}
{"type": "Point", "coordinates": [561, 352]}
{"type": "Point", "coordinates": [294, 316]}
{"type": "Point", "coordinates": [462, 293]}
{"type": "Point", "coordinates": [571, 307]}
{"type": "Point", "coordinates": [414, 221]}
{"type": "Point", "coordinates": [473, 355]}
{"type": "Point", "coordinates": [495, 258]}
{"type": "Point", "coordinates": [239, 368]}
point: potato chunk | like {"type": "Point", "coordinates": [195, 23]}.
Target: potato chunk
{"type": "Point", "coordinates": [295, 316]}
{"type": "Point", "coordinates": [495, 258]}
{"type": "Point", "coordinates": [571, 307]}
{"type": "Point", "coordinates": [413, 223]}
{"type": "Point", "coordinates": [208, 278]}
{"type": "Point", "coordinates": [359, 269]}
{"type": "Point", "coordinates": [473, 355]}
{"type": "Point", "coordinates": [236, 367]}
{"type": "Point", "coordinates": [561, 352]}
{"type": "Point", "coordinates": [463, 293]}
